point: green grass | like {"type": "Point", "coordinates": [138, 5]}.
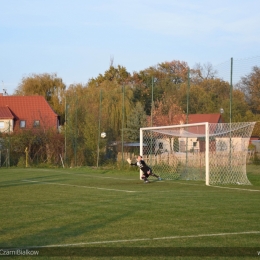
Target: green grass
{"type": "Point", "coordinates": [86, 207]}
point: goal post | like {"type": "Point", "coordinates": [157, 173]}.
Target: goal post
{"type": "Point", "coordinates": [214, 153]}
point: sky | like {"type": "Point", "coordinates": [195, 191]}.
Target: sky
{"type": "Point", "coordinates": [78, 39]}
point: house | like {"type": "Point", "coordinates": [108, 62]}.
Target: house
{"type": "Point", "coordinates": [6, 120]}
{"type": "Point", "coordinates": [192, 139]}
{"type": "Point", "coordinates": [26, 112]}
{"type": "Point", "coordinates": [201, 118]}
{"type": "Point", "coordinates": [194, 143]}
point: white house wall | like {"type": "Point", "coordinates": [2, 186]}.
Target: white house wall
{"type": "Point", "coordinates": [8, 126]}
{"type": "Point", "coordinates": [222, 144]}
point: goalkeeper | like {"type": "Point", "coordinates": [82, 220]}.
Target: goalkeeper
{"type": "Point", "coordinates": [147, 171]}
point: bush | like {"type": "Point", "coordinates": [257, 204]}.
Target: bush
{"type": "Point", "coordinates": [21, 162]}
{"type": "Point", "coordinates": [256, 159]}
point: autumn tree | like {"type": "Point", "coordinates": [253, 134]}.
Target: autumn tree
{"type": "Point", "coordinates": [135, 120]}
{"type": "Point", "coordinates": [117, 74]}
{"type": "Point", "coordinates": [206, 96]}
{"type": "Point", "coordinates": [203, 72]}
{"type": "Point", "coordinates": [117, 98]}
{"type": "Point", "coordinates": [174, 70]}
{"type": "Point", "coordinates": [104, 101]}
{"type": "Point", "coordinates": [47, 85]}
{"type": "Point", "coordinates": [43, 147]}
{"type": "Point", "coordinates": [166, 112]}
{"type": "Point", "coordinates": [155, 81]}
{"type": "Point", "coordinates": [250, 85]}
{"type": "Point", "coordinates": [81, 128]}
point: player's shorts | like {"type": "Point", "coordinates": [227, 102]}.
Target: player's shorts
{"type": "Point", "coordinates": [146, 175]}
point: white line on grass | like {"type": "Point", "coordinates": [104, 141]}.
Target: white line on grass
{"type": "Point", "coordinates": [233, 188]}
{"type": "Point", "coordinates": [89, 176]}
{"type": "Point", "coordinates": [216, 186]}
{"type": "Point", "coordinates": [78, 186]}
{"type": "Point", "coordinates": [149, 239]}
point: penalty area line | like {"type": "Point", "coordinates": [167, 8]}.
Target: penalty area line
{"type": "Point", "coordinates": [229, 188]}
{"type": "Point", "coordinates": [149, 239]}
{"type": "Point", "coordinates": [87, 175]}
{"type": "Point", "coordinates": [79, 186]}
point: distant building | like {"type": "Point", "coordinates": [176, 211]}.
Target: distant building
{"type": "Point", "coordinates": [26, 112]}
{"type": "Point", "coordinates": [201, 118]}
{"type": "Point", "coordinates": [194, 144]}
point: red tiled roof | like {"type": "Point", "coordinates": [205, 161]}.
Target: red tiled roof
{"type": "Point", "coordinates": [30, 108]}
{"type": "Point", "coordinates": [5, 113]}
{"type": "Point", "coordinates": [201, 118]}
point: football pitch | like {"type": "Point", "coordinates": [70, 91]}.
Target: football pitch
{"type": "Point", "coordinates": [107, 214]}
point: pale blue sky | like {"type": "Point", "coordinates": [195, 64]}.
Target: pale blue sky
{"type": "Point", "coordinates": [77, 39]}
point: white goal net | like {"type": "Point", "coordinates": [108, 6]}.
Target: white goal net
{"type": "Point", "coordinates": [214, 153]}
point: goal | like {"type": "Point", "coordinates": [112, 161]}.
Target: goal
{"type": "Point", "coordinates": [214, 153]}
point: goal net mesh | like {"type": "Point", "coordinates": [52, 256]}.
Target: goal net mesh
{"type": "Point", "coordinates": [179, 152]}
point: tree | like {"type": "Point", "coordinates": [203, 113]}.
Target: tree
{"type": "Point", "coordinates": [165, 77]}
{"type": "Point", "coordinates": [119, 75]}
{"type": "Point", "coordinates": [81, 127]}
{"type": "Point", "coordinates": [176, 71]}
{"type": "Point", "coordinates": [43, 146]}
{"type": "Point", "coordinates": [47, 85]}
{"type": "Point", "coordinates": [202, 72]}
{"type": "Point", "coordinates": [208, 96]}
{"type": "Point", "coordinates": [136, 119]}
{"type": "Point", "coordinates": [250, 85]}
{"type": "Point", "coordinates": [240, 107]}
{"type": "Point", "coordinates": [167, 113]}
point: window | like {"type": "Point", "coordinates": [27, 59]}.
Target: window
{"type": "Point", "coordinates": [36, 123]}
{"type": "Point", "coordinates": [182, 146]}
{"type": "Point", "coordinates": [22, 124]}
{"type": "Point", "coordinates": [2, 124]}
